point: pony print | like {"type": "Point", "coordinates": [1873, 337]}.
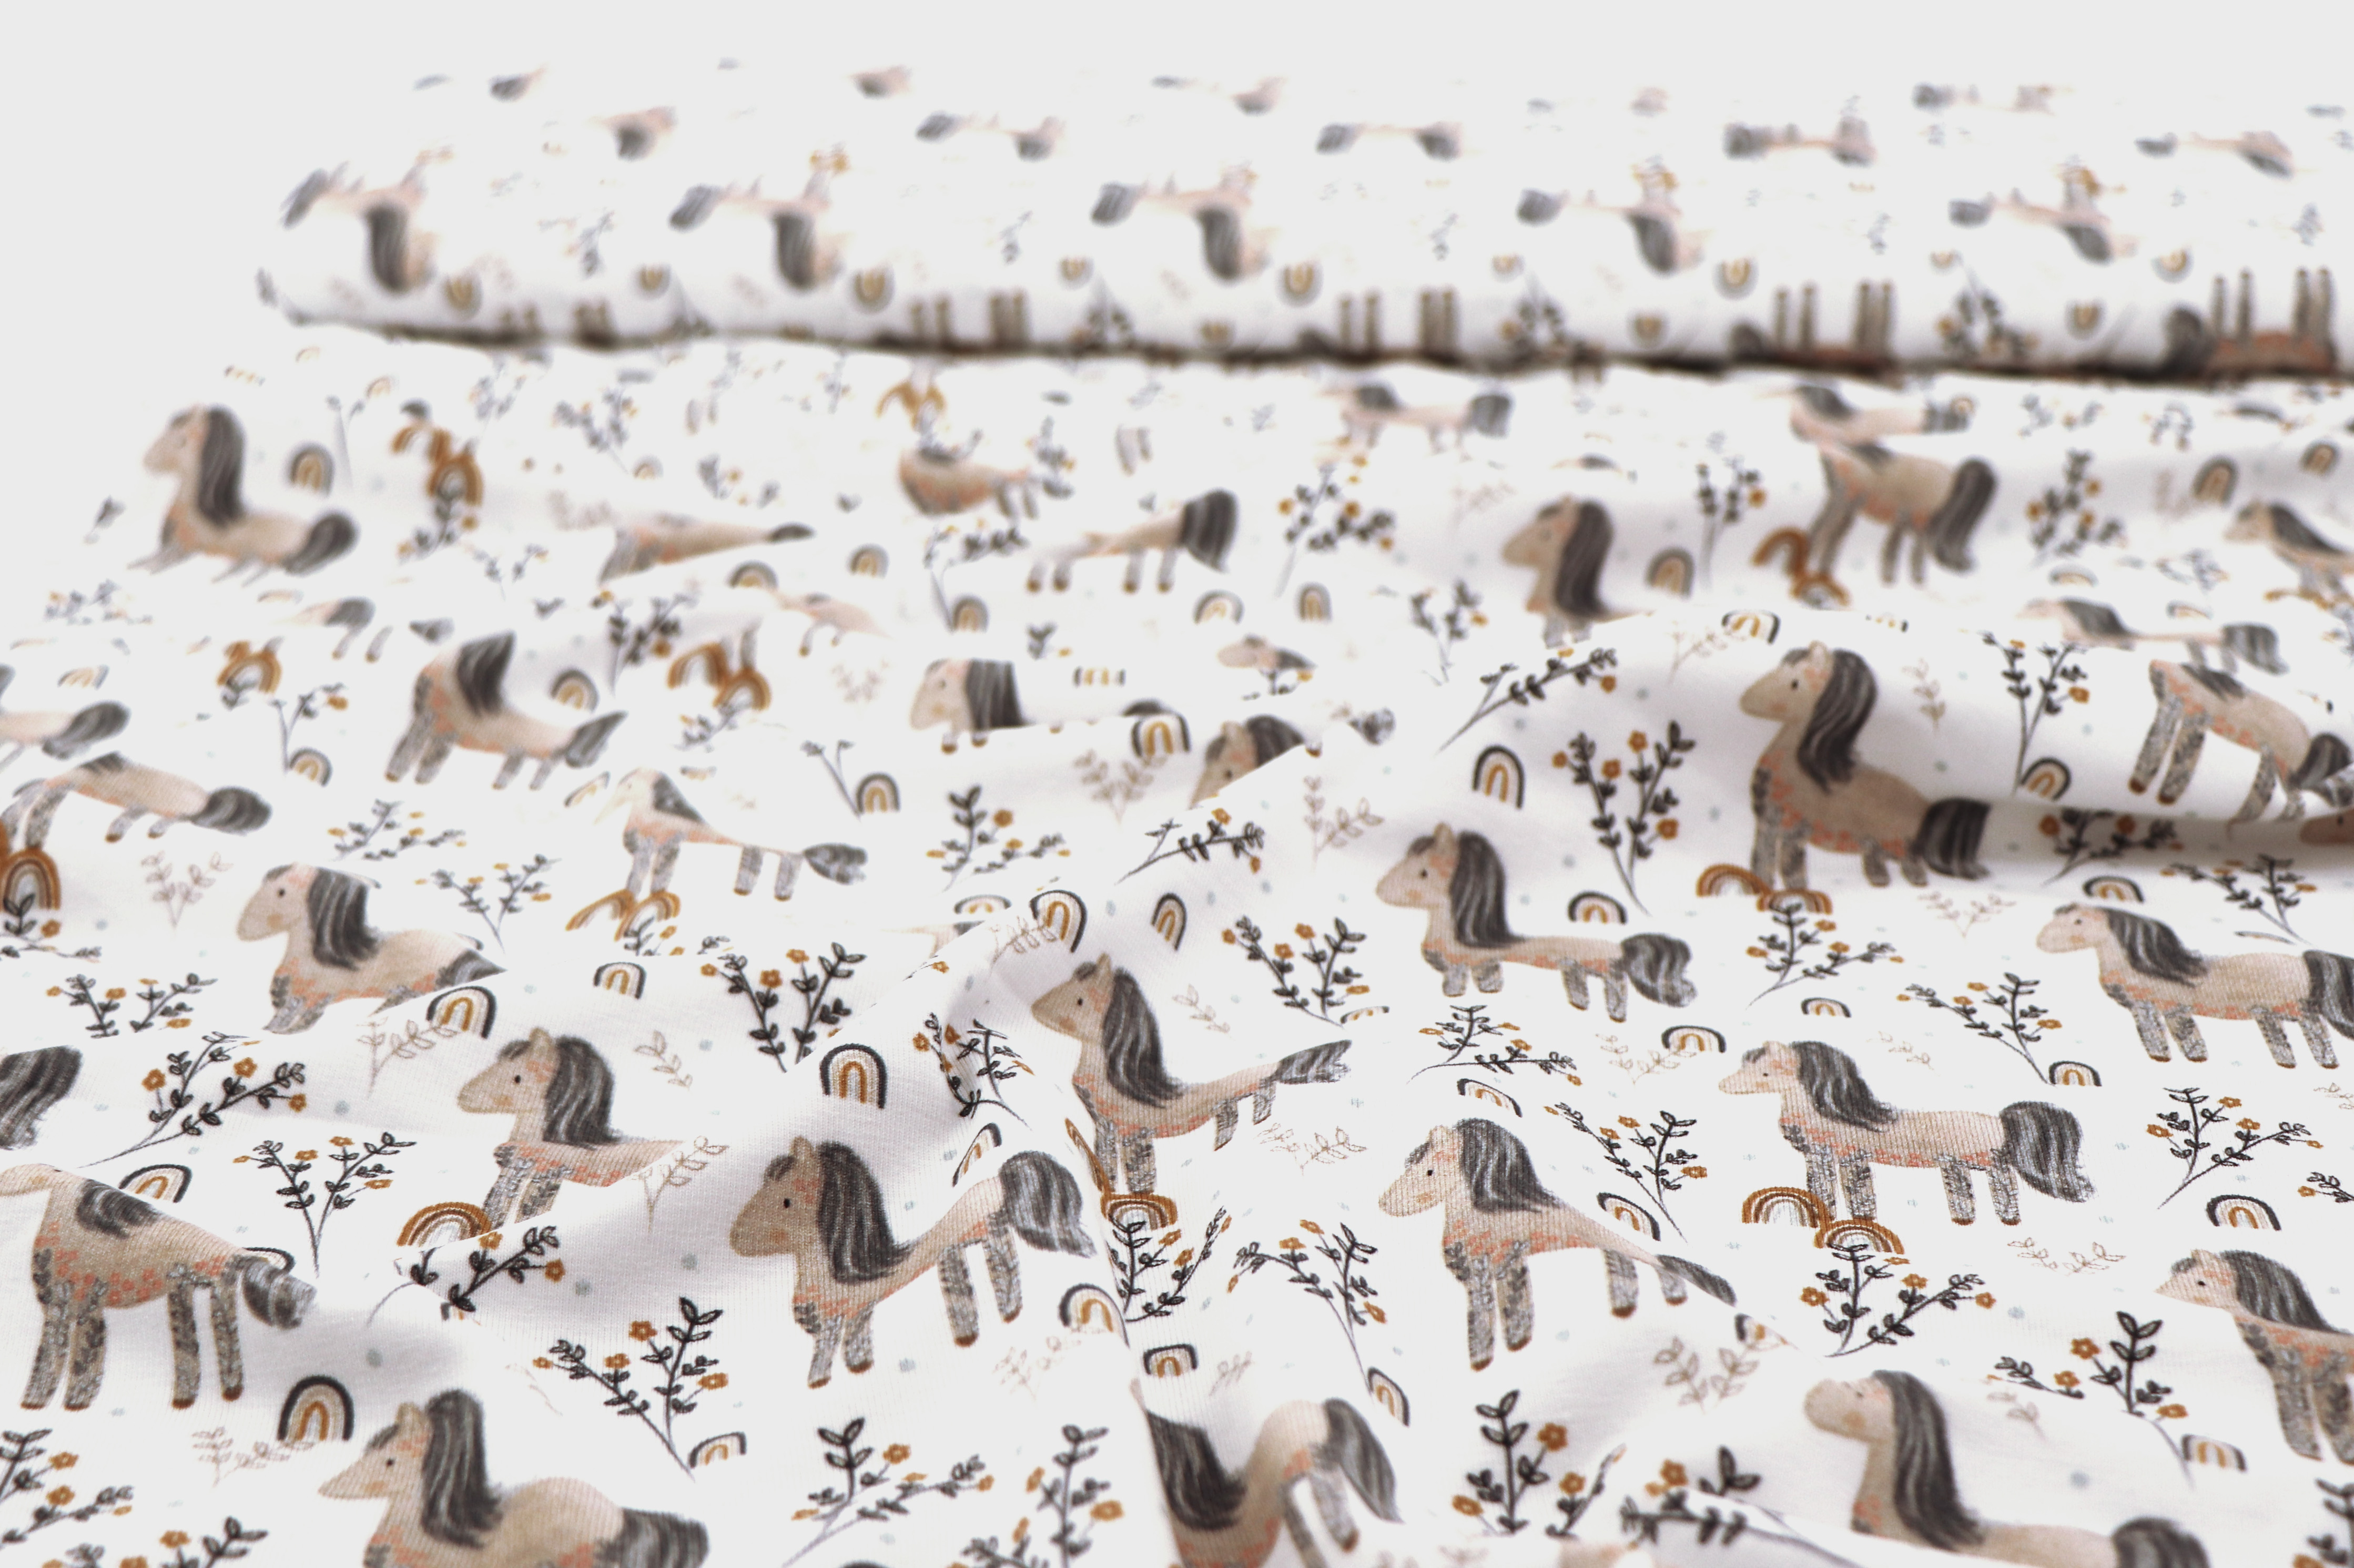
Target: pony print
{"type": "Point", "coordinates": [1231, 248]}
{"type": "Point", "coordinates": [970, 696]}
{"type": "Point", "coordinates": [1808, 788]}
{"type": "Point", "coordinates": [2193, 700]}
{"type": "Point", "coordinates": [941, 481]}
{"type": "Point", "coordinates": [1662, 241]}
{"type": "Point", "coordinates": [665, 540]}
{"type": "Point", "coordinates": [821, 1206]}
{"type": "Point", "coordinates": [659, 820]}
{"type": "Point", "coordinates": [1935, 506]}
{"type": "Point", "coordinates": [1030, 143]}
{"type": "Point", "coordinates": [2078, 216]}
{"type": "Point", "coordinates": [332, 954]}
{"type": "Point", "coordinates": [1567, 543]}
{"type": "Point", "coordinates": [2148, 970]}
{"type": "Point", "coordinates": [2098, 626]}
{"type": "Point", "coordinates": [431, 1471]}
{"type": "Point", "coordinates": [1372, 407]}
{"type": "Point", "coordinates": [59, 735]}
{"type": "Point", "coordinates": [205, 446]}
{"type": "Point", "coordinates": [1822, 417]}
{"type": "Point", "coordinates": [1441, 140]}
{"type": "Point", "coordinates": [1460, 879]}
{"type": "Point", "coordinates": [140, 792]}
{"type": "Point", "coordinates": [99, 1249]}
{"type": "Point", "coordinates": [1499, 1215]}
{"type": "Point", "coordinates": [1122, 1081]}
{"type": "Point", "coordinates": [1239, 748]}
{"type": "Point", "coordinates": [1908, 1492]}
{"type": "Point", "coordinates": [808, 253]}
{"type": "Point", "coordinates": [1850, 144]}
{"type": "Point", "coordinates": [1225, 1518]}
{"type": "Point", "coordinates": [1830, 1115]}
{"type": "Point", "coordinates": [1203, 528]}
{"type": "Point", "coordinates": [2320, 565]}
{"type": "Point", "coordinates": [560, 1093]}
{"type": "Point", "coordinates": [460, 701]}
{"type": "Point", "coordinates": [30, 1083]}
{"type": "Point", "coordinates": [1256, 653]}
{"type": "Point", "coordinates": [399, 258]}
{"type": "Point", "coordinates": [2309, 1358]}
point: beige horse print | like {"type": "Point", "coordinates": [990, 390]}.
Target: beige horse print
{"type": "Point", "coordinates": [2320, 565]}
{"type": "Point", "coordinates": [969, 696]}
{"type": "Point", "coordinates": [1830, 1115]}
{"type": "Point", "coordinates": [1808, 788]}
{"type": "Point", "coordinates": [2148, 970]}
{"type": "Point", "coordinates": [1203, 528]}
{"type": "Point", "coordinates": [941, 481]}
{"type": "Point", "coordinates": [430, 1469]}
{"type": "Point", "coordinates": [2098, 625]}
{"type": "Point", "coordinates": [333, 955]}
{"type": "Point", "coordinates": [1126, 1087]}
{"type": "Point", "coordinates": [1567, 544]}
{"type": "Point", "coordinates": [1909, 1493]}
{"type": "Point", "coordinates": [1233, 249]}
{"type": "Point", "coordinates": [1499, 1215]}
{"type": "Point", "coordinates": [2308, 1357]}
{"type": "Point", "coordinates": [400, 257]}
{"type": "Point", "coordinates": [1240, 748]}
{"type": "Point", "coordinates": [205, 446]}
{"type": "Point", "coordinates": [560, 1092]}
{"type": "Point", "coordinates": [1460, 879]}
{"type": "Point", "coordinates": [1933, 505]}
{"type": "Point", "coordinates": [664, 540]}
{"type": "Point", "coordinates": [660, 822]}
{"type": "Point", "coordinates": [2194, 702]}
{"type": "Point", "coordinates": [819, 1205]}
{"type": "Point", "coordinates": [1666, 245]}
{"type": "Point", "coordinates": [116, 780]}
{"type": "Point", "coordinates": [1371, 407]}
{"type": "Point", "coordinates": [460, 701]}
{"type": "Point", "coordinates": [99, 1250]}
{"type": "Point", "coordinates": [808, 252]}
{"type": "Point", "coordinates": [59, 735]}
{"type": "Point", "coordinates": [1225, 1519]}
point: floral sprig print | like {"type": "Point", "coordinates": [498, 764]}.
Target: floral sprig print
{"type": "Point", "coordinates": [979, 828]}
{"type": "Point", "coordinates": [886, 1496]}
{"type": "Point", "coordinates": [1716, 1523]}
{"type": "Point", "coordinates": [1077, 1503]}
{"type": "Point", "coordinates": [2319, 1185]}
{"type": "Point", "coordinates": [1723, 509]}
{"type": "Point", "coordinates": [2276, 890]}
{"type": "Point", "coordinates": [981, 1060]}
{"type": "Point", "coordinates": [1632, 839]}
{"type": "Point", "coordinates": [2185, 1132]}
{"type": "Point", "coordinates": [2039, 695]}
{"type": "Point", "coordinates": [685, 1376]}
{"type": "Point", "coordinates": [1841, 1297]}
{"type": "Point", "coordinates": [1468, 1026]}
{"type": "Point", "coordinates": [170, 1084]}
{"type": "Point", "coordinates": [2002, 1014]}
{"type": "Point", "coordinates": [517, 884]}
{"type": "Point", "coordinates": [1662, 1169]}
{"type": "Point", "coordinates": [1501, 688]}
{"type": "Point", "coordinates": [1334, 980]}
{"type": "Point", "coordinates": [1243, 844]}
{"type": "Point", "coordinates": [1348, 1295]}
{"type": "Point", "coordinates": [2339, 1505]}
{"type": "Point", "coordinates": [2060, 523]}
{"type": "Point", "coordinates": [1784, 949]}
{"type": "Point", "coordinates": [30, 1468]}
{"type": "Point", "coordinates": [29, 934]}
{"type": "Point", "coordinates": [2071, 832]}
{"type": "Point", "coordinates": [2150, 1400]}
{"type": "Point", "coordinates": [293, 715]}
{"type": "Point", "coordinates": [1449, 625]}
{"type": "Point", "coordinates": [1523, 1473]}
{"type": "Point", "coordinates": [358, 1167]}
{"type": "Point", "coordinates": [1135, 1253]}
{"type": "Point", "coordinates": [164, 1003]}
{"type": "Point", "coordinates": [483, 1265]}
{"type": "Point", "coordinates": [633, 642]}
{"type": "Point", "coordinates": [361, 838]}
{"type": "Point", "coordinates": [1320, 517]}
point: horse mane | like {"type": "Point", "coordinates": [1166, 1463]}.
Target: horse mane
{"type": "Point", "coordinates": [851, 1219]}
{"type": "Point", "coordinates": [459, 1503]}
{"type": "Point", "coordinates": [1827, 747]}
{"type": "Point", "coordinates": [1834, 1089]}
{"type": "Point", "coordinates": [2152, 948]}
{"type": "Point", "coordinates": [1824, 401]}
{"type": "Point", "coordinates": [578, 1106]}
{"type": "Point", "coordinates": [1351, 1447]}
{"type": "Point", "coordinates": [1497, 1169]}
{"type": "Point", "coordinates": [30, 1083]}
{"type": "Point", "coordinates": [220, 467]}
{"type": "Point", "coordinates": [989, 698]}
{"type": "Point", "coordinates": [1577, 576]}
{"type": "Point", "coordinates": [670, 802]}
{"type": "Point", "coordinates": [2293, 531]}
{"type": "Point", "coordinates": [1206, 528]}
{"type": "Point", "coordinates": [2095, 619]}
{"type": "Point", "coordinates": [482, 673]}
{"type": "Point", "coordinates": [1199, 1491]}
{"type": "Point", "coordinates": [1376, 396]}
{"type": "Point", "coordinates": [1924, 1494]}
{"type": "Point", "coordinates": [2228, 687]}
{"type": "Point", "coordinates": [338, 906]}
{"type": "Point", "coordinates": [1131, 1045]}
{"type": "Point", "coordinates": [1475, 894]}
{"type": "Point", "coordinates": [112, 762]}
{"type": "Point", "coordinates": [2270, 1290]}
{"type": "Point", "coordinates": [1270, 738]}
{"type": "Point", "coordinates": [110, 1212]}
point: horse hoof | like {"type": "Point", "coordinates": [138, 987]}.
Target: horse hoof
{"type": "Point", "coordinates": [961, 1340]}
{"type": "Point", "coordinates": [820, 1381]}
{"type": "Point", "coordinates": [1962, 1221]}
{"type": "Point", "coordinates": [1622, 1311]}
{"type": "Point", "coordinates": [856, 1370]}
{"type": "Point", "coordinates": [2137, 785]}
{"type": "Point", "coordinates": [1007, 1317]}
{"type": "Point", "coordinates": [1480, 1365]}
{"type": "Point", "coordinates": [2011, 1221]}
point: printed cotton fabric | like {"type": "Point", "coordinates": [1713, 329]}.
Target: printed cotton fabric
{"type": "Point", "coordinates": [740, 950]}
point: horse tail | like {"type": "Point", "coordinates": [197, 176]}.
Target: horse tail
{"type": "Point", "coordinates": [297, 205]}
{"type": "Point", "coordinates": [1655, 965]}
{"type": "Point", "coordinates": [387, 227]}
{"type": "Point", "coordinates": [796, 248]}
{"type": "Point", "coordinates": [1042, 1205]}
{"type": "Point", "coordinates": [1948, 840]}
{"type": "Point", "coordinates": [271, 1292]}
{"type": "Point", "coordinates": [1205, 529]}
{"type": "Point", "coordinates": [1113, 203]}
{"type": "Point", "coordinates": [836, 863]}
{"type": "Point", "coordinates": [655, 1540]}
{"type": "Point", "coordinates": [466, 968]}
{"type": "Point", "coordinates": [2259, 645]}
{"type": "Point", "coordinates": [589, 739]}
{"type": "Point", "coordinates": [2040, 1141]}
{"type": "Point", "coordinates": [1491, 414]}
{"type": "Point", "coordinates": [232, 810]}
{"type": "Point", "coordinates": [2148, 1542]}
{"type": "Point", "coordinates": [1539, 207]}
{"type": "Point", "coordinates": [2331, 989]}
{"type": "Point", "coordinates": [1336, 138]}
{"type": "Point", "coordinates": [1317, 1064]}
{"type": "Point", "coordinates": [1966, 503]}
{"type": "Point", "coordinates": [2326, 757]}
{"type": "Point", "coordinates": [330, 537]}
{"type": "Point", "coordinates": [694, 207]}
{"type": "Point", "coordinates": [624, 559]}
{"type": "Point", "coordinates": [1351, 1447]}
{"type": "Point", "coordinates": [1691, 1273]}
{"type": "Point", "coordinates": [783, 535]}
{"type": "Point", "coordinates": [2189, 345]}
{"type": "Point", "coordinates": [1744, 141]}
{"type": "Point", "coordinates": [1222, 241]}
{"type": "Point", "coordinates": [95, 723]}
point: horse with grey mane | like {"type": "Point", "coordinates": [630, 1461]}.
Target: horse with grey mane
{"type": "Point", "coordinates": [970, 696]}
{"type": "Point", "coordinates": [1499, 1215]}
{"type": "Point", "coordinates": [661, 823]}
{"type": "Point", "coordinates": [2098, 625]}
{"type": "Point", "coordinates": [804, 244]}
{"type": "Point", "coordinates": [2147, 969]}
{"type": "Point", "coordinates": [559, 1090]}
{"type": "Point", "coordinates": [333, 955]}
{"type": "Point", "coordinates": [430, 1469]}
{"type": "Point", "coordinates": [98, 1249]}
{"type": "Point", "coordinates": [1830, 1115]}
{"type": "Point", "coordinates": [2308, 1358]}
{"type": "Point", "coordinates": [205, 447]}
{"type": "Point", "coordinates": [1240, 748]}
{"type": "Point", "coordinates": [460, 701]}
{"type": "Point", "coordinates": [116, 780]}
{"type": "Point", "coordinates": [1909, 1492]}
{"type": "Point", "coordinates": [400, 256]}
{"type": "Point", "coordinates": [819, 1205]}
{"type": "Point", "coordinates": [1371, 407]}
{"type": "Point", "coordinates": [1203, 527]}
{"type": "Point", "coordinates": [2194, 702]}
{"type": "Point", "coordinates": [1229, 1518]}
{"type": "Point", "coordinates": [56, 733]}
{"type": "Point", "coordinates": [1567, 543]}
{"type": "Point", "coordinates": [2320, 563]}
{"type": "Point", "coordinates": [30, 1083]}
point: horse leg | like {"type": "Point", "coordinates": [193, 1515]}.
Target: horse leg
{"type": "Point", "coordinates": [1623, 1282]}
{"type": "Point", "coordinates": [511, 765]}
{"type": "Point", "coordinates": [2260, 791]}
{"type": "Point", "coordinates": [2002, 1183]}
{"type": "Point", "coordinates": [540, 1196]}
{"type": "Point", "coordinates": [956, 1289]}
{"type": "Point", "coordinates": [1822, 1178]}
{"type": "Point", "coordinates": [2336, 1410]}
{"type": "Point", "coordinates": [2186, 759]}
{"type": "Point", "coordinates": [858, 1339]}
{"type": "Point", "coordinates": [1311, 1554]}
{"type": "Point", "coordinates": [1855, 1174]}
{"type": "Point", "coordinates": [1794, 861]}
{"type": "Point", "coordinates": [1960, 1200]}
{"type": "Point", "coordinates": [1107, 1147]}
{"type": "Point", "coordinates": [1480, 1294]}
{"type": "Point", "coordinates": [789, 866]}
{"type": "Point", "coordinates": [1891, 550]}
{"type": "Point", "coordinates": [1453, 984]}
{"type": "Point", "coordinates": [121, 825]}
{"type": "Point", "coordinates": [2275, 1037]}
{"type": "Point", "coordinates": [85, 1358]}
{"type": "Point", "coordinates": [2294, 1401]}
{"type": "Point", "coordinates": [411, 746]}
{"type": "Point", "coordinates": [1324, 1485]}
{"type": "Point", "coordinates": [2148, 1023]}
{"type": "Point", "coordinates": [437, 752]}
{"type": "Point", "coordinates": [1765, 835]}
{"type": "Point", "coordinates": [826, 1328]}
{"type": "Point", "coordinates": [1168, 578]}
{"type": "Point", "coordinates": [56, 1324]}
{"type": "Point", "coordinates": [501, 1195]}
{"type": "Point", "coordinates": [181, 1312]}
{"type": "Point", "coordinates": [2185, 1025]}
{"type": "Point", "coordinates": [2162, 727]}
{"type": "Point", "coordinates": [1489, 976]}
{"type": "Point", "coordinates": [1875, 863]}
{"type": "Point", "coordinates": [2317, 1037]}
{"type": "Point", "coordinates": [1916, 869]}
{"type": "Point", "coordinates": [1132, 576]}
{"type": "Point", "coordinates": [747, 870]}
{"type": "Point", "coordinates": [1004, 1270]}
{"type": "Point", "coordinates": [1512, 1298]}
{"type": "Point", "coordinates": [1614, 991]}
{"type": "Point", "coordinates": [226, 1349]}
{"type": "Point", "coordinates": [1573, 981]}
{"type": "Point", "coordinates": [661, 863]}
{"type": "Point", "coordinates": [1136, 1152]}
{"type": "Point", "coordinates": [1263, 1102]}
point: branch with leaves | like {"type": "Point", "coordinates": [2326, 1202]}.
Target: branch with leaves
{"type": "Point", "coordinates": [1334, 980]}
{"type": "Point", "coordinates": [837, 1510]}
{"type": "Point", "coordinates": [1071, 1499]}
{"type": "Point", "coordinates": [171, 1086]}
{"type": "Point", "coordinates": [1469, 1026]}
{"type": "Point", "coordinates": [1663, 1168]}
{"type": "Point", "coordinates": [483, 1265]}
{"type": "Point", "coordinates": [2150, 1400]}
{"type": "Point", "coordinates": [2003, 1015]}
{"type": "Point", "coordinates": [1634, 840]}
{"type": "Point", "coordinates": [979, 828]}
{"type": "Point", "coordinates": [517, 885]}
{"type": "Point", "coordinates": [1523, 1473]}
{"type": "Point", "coordinates": [31, 1469]}
{"type": "Point", "coordinates": [983, 1061]}
{"type": "Point", "coordinates": [2040, 695]}
{"type": "Point", "coordinates": [360, 838]}
{"type": "Point", "coordinates": [1202, 846]}
{"type": "Point", "coordinates": [2186, 1134]}
{"type": "Point", "coordinates": [682, 1374]}
{"type": "Point", "coordinates": [357, 1168]}
{"type": "Point", "coordinates": [2072, 831]}
{"type": "Point", "coordinates": [1786, 948]}
{"type": "Point", "coordinates": [2274, 893]}
{"type": "Point", "coordinates": [1841, 1297]}
{"type": "Point", "coordinates": [1502, 688]}
{"type": "Point", "coordinates": [1348, 1295]}
{"type": "Point", "coordinates": [1135, 1254]}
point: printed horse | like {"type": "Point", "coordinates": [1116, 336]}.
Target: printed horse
{"type": "Point", "coordinates": [1808, 788]}
{"type": "Point", "coordinates": [2309, 1358]}
{"type": "Point", "coordinates": [1850, 144]}
{"type": "Point", "coordinates": [30, 1083]}
{"type": "Point", "coordinates": [942, 481]}
{"type": "Point", "coordinates": [970, 696]}
{"type": "Point", "coordinates": [118, 781]}
{"type": "Point", "coordinates": [821, 1206]}
{"type": "Point", "coordinates": [1460, 879]}
{"type": "Point", "coordinates": [399, 258]}
{"type": "Point", "coordinates": [59, 735]}
{"type": "Point", "coordinates": [1203, 528]}
{"type": "Point", "coordinates": [98, 1249]}
{"type": "Point", "coordinates": [332, 954]}
{"type": "Point", "coordinates": [1225, 1519]}
{"type": "Point", "coordinates": [1122, 1081]}
{"type": "Point", "coordinates": [662, 541]}
{"type": "Point", "coordinates": [1935, 506]}
{"type": "Point", "coordinates": [460, 701]}
{"type": "Point", "coordinates": [2320, 565]}
{"type": "Point", "coordinates": [432, 1469]}
{"type": "Point", "coordinates": [560, 1093]}
{"type": "Point", "coordinates": [1240, 748]}
{"type": "Point", "coordinates": [1830, 1115]}
{"type": "Point", "coordinates": [807, 254]}
{"type": "Point", "coordinates": [2148, 970]}
{"type": "Point", "coordinates": [1371, 408]}
{"type": "Point", "coordinates": [1908, 1491]}
{"type": "Point", "coordinates": [205, 448]}
{"type": "Point", "coordinates": [1567, 543]}
{"type": "Point", "coordinates": [1666, 245]}
{"type": "Point", "coordinates": [1499, 1215]}
{"type": "Point", "coordinates": [660, 822]}
{"type": "Point", "coordinates": [1232, 249]}
{"type": "Point", "coordinates": [2098, 626]}
{"type": "Point", "coordinates": [2193, 700]}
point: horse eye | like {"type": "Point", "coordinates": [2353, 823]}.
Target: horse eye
{"type": "Point", "coordinates": [788, 1202]}
{"type": "Point", "coordinates": [518, 1077]}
